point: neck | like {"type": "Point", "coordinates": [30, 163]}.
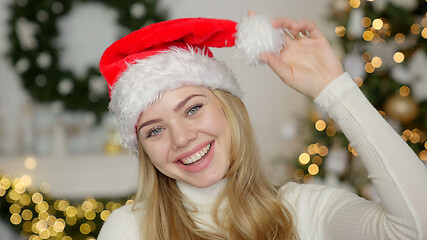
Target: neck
{"type": "Point", "coordinates": [202, 196]}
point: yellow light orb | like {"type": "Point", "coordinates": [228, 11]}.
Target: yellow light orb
{"type": "Point", "coordinates": [317, 160]}
{"type": "Point", "coordinates": [87, 206]}
{"type": "Point", "coordinates": [45, 187]}
{"type": "Point", "coordinates": [90, 215]}
{"type": "Point", "coordinates": [358, 81]}
{"type": "Point", "coordinates": [308, 178]}
{"type": "Point", "coordinates": [37, 198]}
{"type": "Point", "coordinates": [105, 214]}
{"type": "Point", "coordinates": [71, 220]}
{"type": "Point", "coordinates": [41, 226]}
{"type": "Point", "coordinates": [323, 151]}
{"type": "Point", "coordinates": [26, 180]}
{"type": "Point", "coordinates": [30, 163]}
{"type": "Point", "coordinates": [331, 131]}
{"type": "Point", "coordinates": [424, 33]}
{"type": "Point", "coordinates": [44, 234]}
{"type": "Point", "coordinates": [313, 169]}
{"type": "Point", "coordinates": [43, 216]}
{"type": "Point", "coordinates": [398, 57]}
{"type": "Point", "coordinates": [415, 28]}
{"type": "Point", "coordinates": [42, 207]}
{"type": "Point", "coordinates": [368, 35]}
{"type": "Point", "coordinates": [320, 125]}
{"type": "Point", "coordinates": [366, 57]}
{"type": "Point", "coordinates": [5, 183]}
{"type": "Point", "coordinates": [27, 214]}
{"type": "Point", "coordinates": [14, 209]}
{"type": "Point", "coordinates": [377, 24]}
{"type": "Point", "coordinates": [423, 155]}
{"type": "Point", "coordinates": [298, 174]}
{"type": "Point", "coordinates": [366, 22]}
{"type": "Point", "coordinates": [310, 149]}
{"type": "Point", "coordinates": [71, 211]}
{"type": "Point", "coordinates": [355, 3]}
{"type": "Point", "coordinates": [15, 219]}
{"type": "Point", "coordinates": [399, 38]}
{"type": "Point", "coordinates": [63, 205]}
{"type": "Point", "coordinates": [59, 225]}
{"type": "Point", "coordinates": [377, 62]}
{"type": "Point", "coordinates": [304, 158]}
{"type": "Point", "coordinates": [404, 91]}
{"type": "Point", "coordinates": [85, 228]}
{"type": "Point", "coordinates": [340, 31]}
{"type": "Point", "coordinates": [369, 68]}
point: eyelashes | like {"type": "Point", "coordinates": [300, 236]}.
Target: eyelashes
{"type": "Point", "coordinates": [190, 111]}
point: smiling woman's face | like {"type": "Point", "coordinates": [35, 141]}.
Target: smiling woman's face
{"type": "Point", "coordinates": [187, 136]}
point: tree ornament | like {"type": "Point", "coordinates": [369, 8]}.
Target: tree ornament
{"type": "Point", "coordinates": [403, 109]}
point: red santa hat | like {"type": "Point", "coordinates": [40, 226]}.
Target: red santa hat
{"type": "Point", "coordinates": [167, 55]}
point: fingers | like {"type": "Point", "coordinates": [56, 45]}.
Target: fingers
{"type": "Point", "coordinates": [296, 27]}
{"type": "Point", "coordinates": [277, 66]}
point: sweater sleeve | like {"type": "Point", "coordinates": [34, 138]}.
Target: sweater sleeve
{"type": "Point", "coordinates": [120, 225]}
{"type": "Point", "coordinates": [398, 175]}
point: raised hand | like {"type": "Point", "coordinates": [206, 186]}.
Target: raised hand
{"type": "Point", "coordinates": [307, 63]}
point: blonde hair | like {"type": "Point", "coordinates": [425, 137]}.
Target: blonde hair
{"type": "Point", "coordinates": [254, 210]}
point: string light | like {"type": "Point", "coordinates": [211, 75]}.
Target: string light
{"type": "Point", "coordinates": [415, 28]}
{"type": "Point", "coordinates": [424, 33]}
{"type": "Point", "coordinates": [366, 22]}
{"type": "Point", "coordinates": [404, 91]}
{"type": "Point", "coordinates": [304, 158]}
{"type": "Point", "coordinates": [399, 38]}
{"type": "Point", "coordinates": [377, 62]}
{"type": "Point", "coordinates": [355, 3]}
{"type": "Point", "coordinates": [398, 57]}
{"type": "Point", "coordinates": [377, 24]}
{"type": "Point", "coordinates": [340, 31]}
{"type": "Point", "coordinates": [369, 68]}
{"type": "Point", "coordinates": [30, 163]}
{"type": "Point", "coordinates": [320, 125]}
{"type": "Point", "coordinates": [368, 35]}
{"type": "Point", "coordinates": [313, 169]}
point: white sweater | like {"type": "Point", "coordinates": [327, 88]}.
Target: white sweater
{"type": "Point", "coordinates": [321, 212]}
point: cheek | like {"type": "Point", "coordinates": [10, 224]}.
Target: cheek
{"type": "Point", "coordinates": [156, 153]}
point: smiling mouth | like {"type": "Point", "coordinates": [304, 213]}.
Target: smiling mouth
{"type": "Point", "coordinates": [196, 157]}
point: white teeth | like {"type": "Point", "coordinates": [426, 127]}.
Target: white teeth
{"type": "Point", "coordinates": [197, 156]}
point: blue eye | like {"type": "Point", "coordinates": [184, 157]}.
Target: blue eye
{"type": "Point", "coordinates": [193, 109]}
{"type": "Point", "coordinates": [154, 132]}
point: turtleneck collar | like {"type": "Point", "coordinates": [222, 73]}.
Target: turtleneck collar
{"type": "Point", "coordinates": [202, 196]}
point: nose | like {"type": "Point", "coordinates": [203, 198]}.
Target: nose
{"type": "Point", "coordinates": [182, 134]}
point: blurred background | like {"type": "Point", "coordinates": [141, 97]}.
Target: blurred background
{"type": "Point", "coordinates": [62, 169]}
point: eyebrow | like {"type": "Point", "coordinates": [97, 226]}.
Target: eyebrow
{"type": "Point", "coordinates": [183, 102]}
{"type": "Point", "coordinates": [149, 122]}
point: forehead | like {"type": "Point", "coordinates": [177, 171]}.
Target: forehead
{"type": "Point", "coordinates": [170, 99]}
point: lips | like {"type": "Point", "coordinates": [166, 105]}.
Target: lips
{"type": "Point", "coordinates": [196, 155]}
{"type": "Point", "coordinates": [195, 158]}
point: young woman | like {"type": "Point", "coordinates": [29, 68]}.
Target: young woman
{"type": "Point", "coordinates": [180, 111]}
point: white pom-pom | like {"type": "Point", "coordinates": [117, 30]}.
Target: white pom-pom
{"type": "Point", "coordinates": [256, 35]}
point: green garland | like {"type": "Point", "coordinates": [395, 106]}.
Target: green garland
{"type": "Point", "coordinates": [42, 80]}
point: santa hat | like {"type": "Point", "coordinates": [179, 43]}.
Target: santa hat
{"type": "Point", "coordinates": [167, 55]}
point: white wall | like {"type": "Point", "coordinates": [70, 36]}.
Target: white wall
{"type": "Point", "coordinates": [271, 104]}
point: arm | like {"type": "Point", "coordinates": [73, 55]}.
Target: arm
{"type": "Point", "coordinates": [309, 65]}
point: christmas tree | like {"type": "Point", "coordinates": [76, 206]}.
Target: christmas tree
{"type": "Point", "coordinates": [384, 46]}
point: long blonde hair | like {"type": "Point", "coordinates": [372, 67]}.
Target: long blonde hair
{"type": "Point", "coordinates": [253, 211]}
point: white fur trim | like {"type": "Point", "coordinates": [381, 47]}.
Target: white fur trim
{"type": "Point", "coordinates": [144, 82]}
{"type": "Point", "coordinates": [256, 35]}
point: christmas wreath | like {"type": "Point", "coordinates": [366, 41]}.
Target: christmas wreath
{"type": "Point", "coordinates": [36, 55]}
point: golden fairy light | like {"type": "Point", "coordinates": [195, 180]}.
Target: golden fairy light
{"type": "Point", "coordinates": [355, 3]}
{"type": "Point", "coordinates": [308, 178]}
{"type": "Point", "coordinates": [45, 187]}
{"type": "Point", "coordinates": [415, 28]}
{"type": "Point", "coordinates": [398, 57]}
{"type": "Point", "coordinates": [304, 158]}
{"type": "Point", "coordinates": [366, 22]}
{"type": "Point", "coordinates": [320, 125]}
{"type": "Point", "coordinates": [323, 151]}
{"type": "Point", "coordinates": [377, 24]}
{"type": "Point", "coordinates": [37, 198]}
{"type": "Point", "coordinates": [85, 228]}
{"type": "Point", "coordinates": [377, 62]}
{"type": "Point", "coordinates": [366, 57]}
{"type": "Point", "coordinates": [317, 160]}
{"type": "Point", "coordinates": [369, 68]}
{"type": "Point", "coordinates": [105, 214]}
{"type": "Point", "coordinates": [368, 35]}
{"type": "Point", "coordinates": [423, 155]}
{"type": "Point", "coordinates": [30, 163]}
{"type": "Point", "coordinates": [71, 211]}
{"type": "Point", "coordinates": [27, 214]}
{"type": "Point", "coordinates": [404, 91]}
{"type": "Point", "coordinates": [358, 81]}
{"type": "Point", "coordinates": [313, 169]}
{"type": "Point", "coordinates": [340, 31]}
{"type": "Point", "coordinates": [424, 33]}
{"type": "Point", "coordinates": [399, 38]}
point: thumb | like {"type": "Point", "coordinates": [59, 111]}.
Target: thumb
{"type": "Point", "coordinates": [283, 71]}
